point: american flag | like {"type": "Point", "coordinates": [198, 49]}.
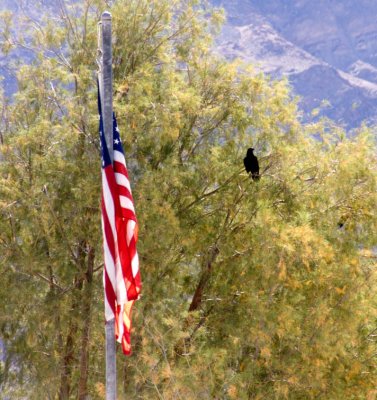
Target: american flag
{"type": "Point", "coordinates": [121, 276]}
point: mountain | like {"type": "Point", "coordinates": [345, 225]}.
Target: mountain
{"type": "Point", "coordinates": [327, 49]}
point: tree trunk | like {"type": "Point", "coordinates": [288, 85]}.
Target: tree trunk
{"type": "Point", "coordinates": [69, 355]}
{"type": "Point", "coordinates": [184, 344]}
{"type": "Point", "coordinates": [65, 380]}
{"type": "Point", "coordinates": [85, 339]}
{"type": "Point", "coordinates": [197, 298]}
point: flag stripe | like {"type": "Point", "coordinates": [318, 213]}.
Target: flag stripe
{"type": "Point", "coordinates": [120, 168]}
{"type": "Point", "coordinates": [125, 202]}
{"type": "Point", "coordinates": [122, 181]}
{"type": "Point", "coordinates": [109, 205]}
{"type": "Point", "coordinates": [123, 191]}
{"type": "Point", "coordinates": [110, 297]}
{"type": "Point", "coordinates": [135, 265]}
{"type": "Point", "coordinates": [120, 160]}
{"type": "Point", "coordinates": [109, 245]}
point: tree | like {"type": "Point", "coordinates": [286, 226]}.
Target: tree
{"type": "Point", "coordinates": [250, 289]}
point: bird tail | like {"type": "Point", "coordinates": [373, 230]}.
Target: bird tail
{"type": "Point", "coordinates": [255, 176]}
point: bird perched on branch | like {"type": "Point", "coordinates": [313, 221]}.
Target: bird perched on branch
{"type": "Point", "coordinates": [251, 164]}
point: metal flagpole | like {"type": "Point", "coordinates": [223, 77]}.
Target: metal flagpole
{"type": "Point", "coordinates": [106, 90]}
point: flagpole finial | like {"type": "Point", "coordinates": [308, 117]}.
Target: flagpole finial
{"type": "Point", "coordinates": [106, 15]}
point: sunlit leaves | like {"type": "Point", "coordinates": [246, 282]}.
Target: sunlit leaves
{"type": "Point", "coordinates": [285, 265]}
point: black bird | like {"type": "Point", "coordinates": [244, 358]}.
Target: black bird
{"type": "Point", "coordinates": [251, 164]}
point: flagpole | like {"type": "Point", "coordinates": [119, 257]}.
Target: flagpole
{"type": "Point", "coordinates": [106, 89]}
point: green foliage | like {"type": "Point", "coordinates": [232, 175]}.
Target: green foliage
{"type": "Point", "coordinates": [250, 289]}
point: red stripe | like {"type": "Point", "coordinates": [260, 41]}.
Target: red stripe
{"type": "Point", "coordinates": [117, 322]}
{"type": "Point", "coordinates": [123, 249]}
{"type": "Point", "coordinates": [120, 168]}
{"type": "Point", "coordinates": [123, 191]}
{"type": "Point", "coordinates": [111, 182]}
{"type": "Point", "coordinates": [108, 236]}
{"type": "Point", "coordinates": [138, 282]}
{"type": "Point", "coordinates": [132, 247]}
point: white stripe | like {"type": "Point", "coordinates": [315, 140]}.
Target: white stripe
{"type": "Point", "coordinates": [135, 265]}
{"type": "Point", "coordinates": [130, 230]}
{"type": "Point", "coordinates": [119, 157]}
{"type": "Point", "coordinates": [109, 204]}
{"type": "Point", "coordinates": [122, 181]}
{"type": "Point", "coordinates": [108, 311]}
{"type": "Point", "coordinates": [125, 202]}
{"type": "Point", "coordinates": [109, 264]}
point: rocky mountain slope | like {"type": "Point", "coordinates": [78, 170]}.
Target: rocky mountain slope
{"type": "Point", "coordinates": [327, 49]}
